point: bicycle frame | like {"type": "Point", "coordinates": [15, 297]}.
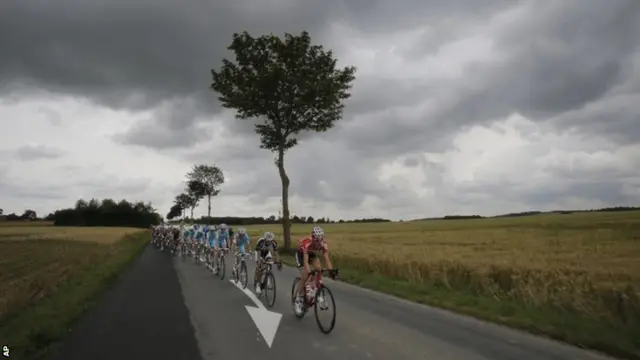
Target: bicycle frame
{"type": "Point", "coordinates": [239, 259]}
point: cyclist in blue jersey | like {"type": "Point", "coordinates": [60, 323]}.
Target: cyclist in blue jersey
{"type": "Point", "coordinates": [211, 239]}
{"type": "Point", "coordinates": [199, 236]}
{"type": "Point", "coordinates": [221, 242]}
{"type": "Point", "coordinates": [241, 239]}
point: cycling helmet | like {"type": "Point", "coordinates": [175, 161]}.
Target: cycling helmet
{"type": "Point", "coordinates": [242, 231]}
{"type": "Point", "coordinates": [223, 226]}
{"type": "Point", "coordinates": [317, 234]}
{"type": "Point", "coordinates": [269, 236]}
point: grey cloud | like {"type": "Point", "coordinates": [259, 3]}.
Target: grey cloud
{"type": "Point", "coordinates": [37, 152]}
{"type": "Point", "coordinates": [51, 115]}
{"type": "Point", "coordinates": [170, 126]}
{"type": "Point", "coordinates": [562, 58]}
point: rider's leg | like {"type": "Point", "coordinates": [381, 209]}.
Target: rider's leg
{"type": "Point", "coordinates": [258, 271]}
{"type": "Point", "coordinates": [302, 259]}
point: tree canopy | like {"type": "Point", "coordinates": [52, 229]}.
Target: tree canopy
{"type": "Point", "coordinates": [107, 213]}
{"type": "Point", "coordinates": [205, 180]}
{"type": "Point", "coordinates": [290, 86]}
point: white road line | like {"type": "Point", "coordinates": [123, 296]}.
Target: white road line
{"type": "Point", "coordinates": [266, 321]}
{"type": "Point", "coordinates": [250, 294]}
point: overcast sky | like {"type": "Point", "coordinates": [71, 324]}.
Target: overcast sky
{"type": "Point", "coordinates": [459, 107]}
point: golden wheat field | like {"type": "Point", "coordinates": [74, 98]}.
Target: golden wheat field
{"type": "Point", "coordinates": [37, 259]}
{"type": "Point", "coordinates": [589, 262]}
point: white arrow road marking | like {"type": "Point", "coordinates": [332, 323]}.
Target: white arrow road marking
{"type": "Point", "coordinates": [266, 321]}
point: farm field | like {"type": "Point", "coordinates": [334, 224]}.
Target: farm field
{"type": "Point", "coordinates": [574, 277]}
{"type": "Point", "coordinates": [50, 275]}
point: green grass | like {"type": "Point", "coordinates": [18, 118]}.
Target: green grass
{"type": "Point", "coordinates": [33, 328]}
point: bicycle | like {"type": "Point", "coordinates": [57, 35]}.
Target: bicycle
{"type": "Point", "coordinates": [267, 280]}
{"type": "Point", "coordinates": [239, 269]}
{"type": "Point", "coordinates": [314, 297]}
{"type": "Point", "coordinates": [219, 263]}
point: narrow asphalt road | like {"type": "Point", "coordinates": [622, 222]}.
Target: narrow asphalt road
{"type": "Point", "coordinates": [173, 308]}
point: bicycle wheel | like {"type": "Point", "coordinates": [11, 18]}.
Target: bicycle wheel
{"type": "Point", "coordinates": [269, 286]}
{"type": "Point", "coordinates": [324, 302]}
{"type": "Point", "coordinates": [296, 281]}
{"type": "Point", "coordinates": [221, 268]}
{"type": "Point", "coordinates": [234, 271]}
{"type": "Point", "coordinates": [242, 274]}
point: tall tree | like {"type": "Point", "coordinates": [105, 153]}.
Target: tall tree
{"type": "Point", "coordinates": [211, 177]}
{"type": "Point", "coordinates": [290, 85]}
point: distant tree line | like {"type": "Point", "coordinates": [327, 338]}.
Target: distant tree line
{"type": "Point", "coordinates": [530, 213]}
{"type": "Point", "coordinates": [26, 215]}
{"type": "Point", "coordinates": [107, 213]}
{"type": "Point", "coordinates": [236, 220]}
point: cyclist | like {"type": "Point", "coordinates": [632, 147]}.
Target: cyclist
{"type": "Point", "coordinates": [306, 254]}
{"type": "Point", "coordinates": [264, 245]}
{"type": "Point", "coordinates": [185, 237]}
{"type": "Point", "coordinates": [199, 236]}
{"type": "Point", "coordinates": [240, 240]}
{"type": "Point", "coordinates": [212, 237]}
{"type": "Point", "coordinates": [222, 243]}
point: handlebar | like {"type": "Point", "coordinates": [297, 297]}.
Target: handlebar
{"type": "Point", "coordinates": [332, 272]}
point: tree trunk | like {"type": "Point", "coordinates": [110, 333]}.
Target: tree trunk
{"type": "Point", "coordinates": [192, 212]}
{"type": "Point", "coordinates": [286, 226]}
{"type": "Point", "coordinates": [208, 207]}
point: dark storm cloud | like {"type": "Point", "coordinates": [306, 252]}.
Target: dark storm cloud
{"type": "Point", "coordinates": [132, 54]}
{"type": "Point", "coordinates": [569, 63]}
{"type": "Point", "coordinates": [137, 55]}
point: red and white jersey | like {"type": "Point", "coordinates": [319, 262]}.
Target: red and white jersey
{"type": "Point", "coordinates": [307, 245]}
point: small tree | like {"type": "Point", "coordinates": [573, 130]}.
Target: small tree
{"type": "Point", "coordinates": [211, 177]}
{"type": "Point", "coordinates": [184, 201]}
{"type": "Point", "coordinates": [291, 85]}
{"type": "Point", "coordinates": [29, 215]}
{"type": "Point", "coordinates": [174, 212]}
{"type": "Point", "coordinates": [196, 191]}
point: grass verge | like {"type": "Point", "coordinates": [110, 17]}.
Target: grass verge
{"type": "Point", "coordinates": [33, 328]}
{"type": "Point", "coordinates": [560, 324]}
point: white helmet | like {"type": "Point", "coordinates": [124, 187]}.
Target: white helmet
{"type": "Point", "coordinates": [317, 233]}
{"type": "Point", "coordinates": [269, 236]}
{"type": "Point", "coordinates": [242, 231]}
{"type": "Point", "coordinates": [223, 226]}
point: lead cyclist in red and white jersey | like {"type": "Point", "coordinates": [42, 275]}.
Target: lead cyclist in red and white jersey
{"type": "Point", "coordinates": [308, 250]}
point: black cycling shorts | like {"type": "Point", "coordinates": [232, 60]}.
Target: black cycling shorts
{"type": "Point", "coordinates": [300, 258]}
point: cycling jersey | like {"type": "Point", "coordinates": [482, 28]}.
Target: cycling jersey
{"type": "Point", "coordinates": [199, 235]}
{"type": "Point", "coordinates": [212, 237]}
{"type": "Point", "coordinates": [307, 245]}
{"type": "Point", "coordinates": [263, 246]}
{"type": "Point", "coordinates": [241, 241]}
{"type": "Point", "coordinates": [223, 235]}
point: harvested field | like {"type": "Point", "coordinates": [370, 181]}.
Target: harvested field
{"type": "Point", "coordinates": [103, 235]}
{"type": "Point", "coordinates": [49, 276]}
